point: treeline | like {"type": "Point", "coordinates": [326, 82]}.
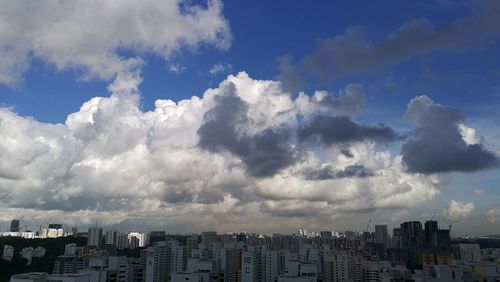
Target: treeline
{"type": "Point", "coordinates": [53, 246]}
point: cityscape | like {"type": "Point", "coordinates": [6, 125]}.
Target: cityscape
{"type": "Point", "coordinates": [411, 252]}
{"type": "Point", "coordinates": [249, 141]}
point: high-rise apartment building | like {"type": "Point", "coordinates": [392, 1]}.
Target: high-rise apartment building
{"type": "Point", "coordinates": [248, 267]}
{"type": "Point", "coordinates": [111, 236]}
{"type": "Point", "coordinates": [233, 263]}
{"type": "Point", "coordinates": [94, 237]}
{"type": "Point", "coordinates": [336, 267]}
{"type": "Point", "coordinates": [157, 263]}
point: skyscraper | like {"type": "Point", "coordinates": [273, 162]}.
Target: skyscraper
{"type": "Point", "coordinates": [14, 225]}
{"type": "Point", "coordinates": [431, 228]}
{"type": "Point", "coordinates": [95, 237]}
{"type": "Point", "coordinates": [111, 236]}
{"type": "Point", "coordinates": [381, 235]}
{"type": "Point", "coordinates": [412, 240]}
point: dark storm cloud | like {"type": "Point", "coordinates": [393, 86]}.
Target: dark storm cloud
{"type": "Point", "coordinates": [350, 101]}
{"type": "Point", "coordinates": [184, 195]}
{"type": "Point", "coordinates": [289, 75]}
{"type": "Point", "coordinates": [263, 154]}
{"type": "Point", "coordinates": [437, 144]}
{"type": "Point", "coordinates": [178, 196]}
{"type": "Point", "coordinates": [341, 129]}
{"type": "Point", "coordinates": [347, 153]}
{"type": "Point", "coordinates": [328, 172]}
{"type": "Point", "coordinates": [352, 53]}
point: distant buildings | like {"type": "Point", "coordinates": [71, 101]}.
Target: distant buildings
{"type": "Point", "coordinates": [412, 253]}
{"type": "Point", "coordinates": [94, 237]}
{"type": "Point", "coordinates": [51, 232]}
{"type": "Point", "coordinates": [14, 225]}
{"type": "Point", "coordinates": [141, 239]}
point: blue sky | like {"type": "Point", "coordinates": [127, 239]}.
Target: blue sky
{"type": "Point", "coordinates": [458, 69]}
{"type": "Point", "coordinates": [264, 32]}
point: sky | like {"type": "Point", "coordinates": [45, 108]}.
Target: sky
{"type": "Point", "coordinates": [258, 116]}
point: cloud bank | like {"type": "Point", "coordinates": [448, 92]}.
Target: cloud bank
{"type": "Point", "coordinates": [233, 150]}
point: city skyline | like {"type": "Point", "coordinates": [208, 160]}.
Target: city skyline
{"type": "Point", "coordinates": [414, 251]}
{"type": "Point", "coordinates": [198, 115]}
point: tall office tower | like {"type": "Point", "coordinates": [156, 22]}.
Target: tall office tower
{"type": "Point", "coordinates": [336, 267]}
{"type": "Point", "coordinates": [208, 237]}
{"type": "Point", "coordinates": [233, 263]}
{"type": "Point", "coordinates": [443, 239]}
{"type": "Point", "coordinates": [111, 237]}
{"type": "Point", "coordinates": [412, 240]}
{"type": "Point", "coordinates": [381, 235]}
{"type": "Point", "coordinates": [157, 263]}
{"type": "Point", "coordinates": [94, 237]}
{"type": "Point", "coordinates": [430, 231]}
{"type": "Point", "coordinates": [14, 225]}
{"type": "Point", "coordinates": [396, 238]}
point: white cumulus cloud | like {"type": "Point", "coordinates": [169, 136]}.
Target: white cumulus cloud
{"type": "Point", "coordinates": [493, 215]}
{"type": "Point", "coordinates": [458, 210]}
{"type": "Point", "coordinates": [88, 35]}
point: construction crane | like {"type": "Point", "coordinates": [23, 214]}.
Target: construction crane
{"type": "Point", "coordinates": [447, 222]}
{"type": "Point", "coordinates": [433, 215]}
{"type": "Point", "coordinates": [368, 225]}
